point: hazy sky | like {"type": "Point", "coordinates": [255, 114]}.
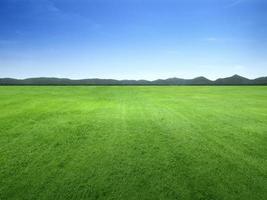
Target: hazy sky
{"type": "Point", "coordinates": [133, 39]}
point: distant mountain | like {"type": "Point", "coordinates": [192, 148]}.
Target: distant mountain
{"type": "Point", "coordinates": [169, 81]}
{"type": "Point", "coordinates": [260, 81]}
{"type": "Point", "coordinates": [233, 80]}
{"type": "Point", "coordinates": [179, 81]}
{"type": "Point", "coordinates": [200, 81]}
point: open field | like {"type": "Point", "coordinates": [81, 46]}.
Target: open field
{"type": "Point", "coordinates": [133, 142]}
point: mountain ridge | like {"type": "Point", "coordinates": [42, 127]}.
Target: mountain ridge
{"type": "Point", "coordinates": [201, 80]}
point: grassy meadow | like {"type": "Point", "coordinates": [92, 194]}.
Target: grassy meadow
{"type": "Point", "coordinates": [133, 142]}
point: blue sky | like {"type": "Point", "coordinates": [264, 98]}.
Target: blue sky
{"type": "Point", "coordinates": [133, 39]}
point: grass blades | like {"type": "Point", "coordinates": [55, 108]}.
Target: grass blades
{"type": "Point", "coordinates": [133, 142]}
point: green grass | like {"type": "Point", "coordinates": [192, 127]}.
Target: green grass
{"type": "Point", "coordinates": [133, 143]}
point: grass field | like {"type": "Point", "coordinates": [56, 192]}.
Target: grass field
{"type": "Point", "coordinates": [133, 143]}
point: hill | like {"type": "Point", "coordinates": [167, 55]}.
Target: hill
{"type": "Point", "coordinates": [233, 80]}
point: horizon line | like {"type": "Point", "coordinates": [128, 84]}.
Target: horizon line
{"type": "Point", "coordinates": [175, 77]}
